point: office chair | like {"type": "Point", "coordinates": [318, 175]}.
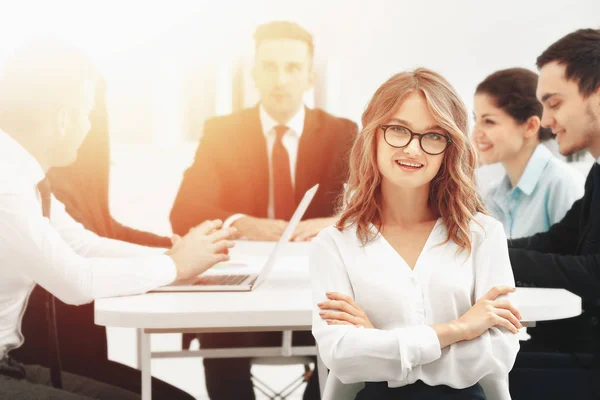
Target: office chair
{"type": "Point", "coordinates": [290, 388]}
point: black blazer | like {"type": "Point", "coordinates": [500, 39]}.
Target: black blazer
{"type": "Point", "coordinates": [568, 257]}
{"type": "Point", "coordinates": [230, 173]}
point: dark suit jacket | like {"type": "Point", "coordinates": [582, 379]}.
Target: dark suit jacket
{"type": "Point", "coordinates": [568, 257]}
{"type": "Point", "coordinates": [230, 173]}
{"type": "Point", "coordinates": [83, 189]}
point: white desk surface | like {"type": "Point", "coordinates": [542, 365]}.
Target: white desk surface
{"type": "Point", "coordinates": [283, 301]}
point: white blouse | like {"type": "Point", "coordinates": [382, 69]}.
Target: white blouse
{"type": "Point", "coordinates": [402, 304]}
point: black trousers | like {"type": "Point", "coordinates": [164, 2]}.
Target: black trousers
{"type": "Point", "coordinates": [20, 381]}
{"type": "Point", "coordinates": [128, 378]}
{"type": "Point", "coordinates": [229, 378]}
{"type": "Point", "coordinates": [83, 348]}
{"type": "Point", "coordinates": [554, 376]}
{"type": "Point", "coordinates": [419, 391]}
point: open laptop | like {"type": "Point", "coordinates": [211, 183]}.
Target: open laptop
{"type": "Point", "coordinates": [244, 282]}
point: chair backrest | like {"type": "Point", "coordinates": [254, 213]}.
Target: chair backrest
{"type": "Point", "coordinates": [336, 390]}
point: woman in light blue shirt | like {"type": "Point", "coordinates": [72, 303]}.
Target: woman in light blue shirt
{"type": "Point", "coordinates": [538, 188]}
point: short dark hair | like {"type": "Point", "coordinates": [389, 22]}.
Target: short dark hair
{"type": "Point", "coordinates": [41, 77]}
{"type": "Point", "coordinates": [579, 52]}
{"type": "Point", "coordinates": [513, 91]}
{"type": "Point", "coordinates": [283, 30]}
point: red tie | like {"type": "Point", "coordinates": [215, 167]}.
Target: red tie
{"type": "Point", "coordinates": [283, 191]}
{"type": "Point", "coordinates": [53, 350]}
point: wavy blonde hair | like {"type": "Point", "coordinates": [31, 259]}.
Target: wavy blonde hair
{"type": "Point", "coordinates": [453, 192]}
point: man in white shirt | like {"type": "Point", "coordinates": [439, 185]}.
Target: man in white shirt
{"type": "Point", "coordinates": [46, 93]}
{"type": "Point", "coordinates": [252, 168]}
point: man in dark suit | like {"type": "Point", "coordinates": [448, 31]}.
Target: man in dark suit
{"type": "Point", "coordinates": [252, 168]}
{"type": "Point", "coordinates": [83, 187]}
{"type": "Point", "coordinates": [568, 255]}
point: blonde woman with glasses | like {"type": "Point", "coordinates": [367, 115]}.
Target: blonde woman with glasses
{"type": "Point", "coordinates": [411, 285]}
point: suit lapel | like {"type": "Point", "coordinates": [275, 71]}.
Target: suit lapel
{"type": "Point", "coordinates": [312, 157]}
{"type": "Point", "coordinates": [255, 153]}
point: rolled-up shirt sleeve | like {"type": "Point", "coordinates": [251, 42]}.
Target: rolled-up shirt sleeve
{"type": "Point", "coordinates": [355, 354]}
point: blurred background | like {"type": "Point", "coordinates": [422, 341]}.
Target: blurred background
{"type": "Point", "coordinates": [169, 65]}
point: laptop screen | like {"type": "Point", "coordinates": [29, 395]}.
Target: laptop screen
{"type": "Point", "coordinates": [287, 233]}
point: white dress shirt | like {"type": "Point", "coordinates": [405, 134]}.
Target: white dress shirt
{"type": "Point", "coordinates": [74, 264]}
{"type": "Point", "coordinates": [402, 304]}
{"type": "Point", "coordinates": [291, 142]}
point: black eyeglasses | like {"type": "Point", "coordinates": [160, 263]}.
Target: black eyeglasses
{"type": "Point", "coordinates": [399, 136]}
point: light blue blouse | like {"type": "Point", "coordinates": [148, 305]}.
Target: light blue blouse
{"type": "Point", "coordinates": [544, 194]}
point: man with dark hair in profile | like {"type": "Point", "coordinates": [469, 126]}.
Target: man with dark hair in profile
{"type": "Point", "coordinates": [83, 188]}
{"type": "Point", "coordinates": [252, 168]}
{"type": "Point", "coordinates": [568, 255]}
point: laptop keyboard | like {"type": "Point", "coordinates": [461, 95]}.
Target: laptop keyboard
{"type": "Point", "coordinates": [226, 280]}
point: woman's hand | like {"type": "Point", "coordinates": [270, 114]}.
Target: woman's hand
{"type": "Point", "coordinates": [490, 311]}
{"type": "Point", "coordinates": [342, 310]}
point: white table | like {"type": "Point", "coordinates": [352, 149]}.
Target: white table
{"type": "Point", "coordinates": [283, 303]}
{"type": "Point", "coordinates": [539, 304]}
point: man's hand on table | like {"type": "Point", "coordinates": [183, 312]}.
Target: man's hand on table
{"type": "Point", "coordinates": [203, 246]}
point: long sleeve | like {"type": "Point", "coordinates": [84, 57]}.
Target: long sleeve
{"type": "Point", "coordinates": [75, 264]}
{"type": "Point", "coordinates": [579, 274]}
{"type": "Point", "coordinates": [562, 237]}
{"type": "Point", "coordinates": [357, 355]}
{"type": "Point", "coordinates": [136, 236]}
{"type": "Point", "coordinates": [198, 196]}
{"type": "Point", "coordinates": [497, 347]}
{"type": "Point", "coordinates": [565, 265]}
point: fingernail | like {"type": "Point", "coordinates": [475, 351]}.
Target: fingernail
{"type": "Point", "coordinates": [321, 314]}
{"type": "Point", "coordinates": [319, 304]}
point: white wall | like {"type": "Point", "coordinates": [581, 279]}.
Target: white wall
{"type": "Point", "coordinates": [362, 43]}
{"type": "Point", "coordinates": [148, 51]}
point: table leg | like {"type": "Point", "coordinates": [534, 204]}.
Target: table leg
{"type": "Point", "coordinates": [145, 351]}
{"type": "Point", "coordinates": [286, 345]}
{"type": "Point", "coordinates": [323, 372]}
{"type": "Point", "coordinates": [138, 343]}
